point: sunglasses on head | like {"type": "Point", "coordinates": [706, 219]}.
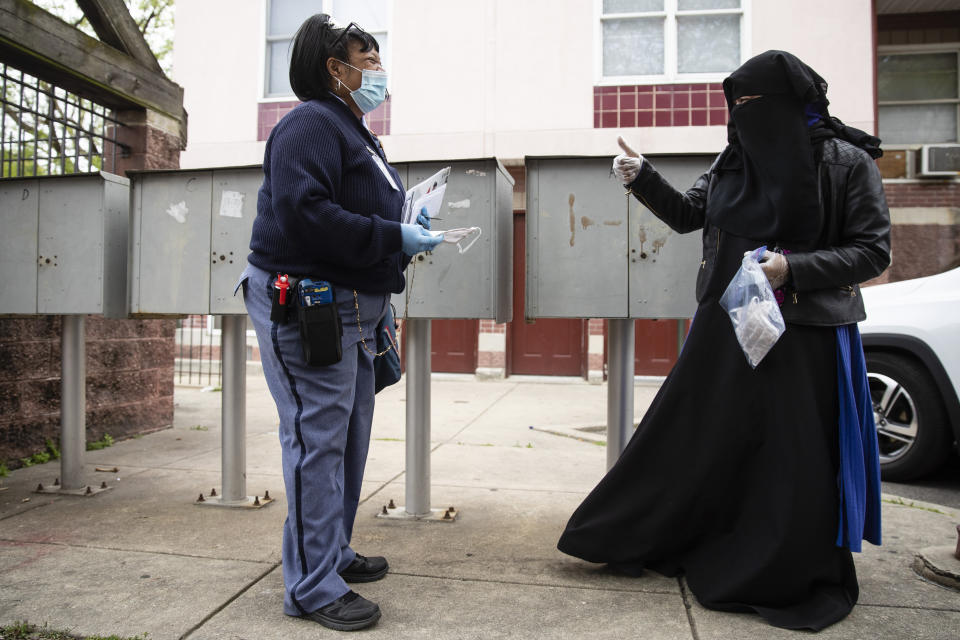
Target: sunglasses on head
{"type": "Point", "coordinates": [353, 25]}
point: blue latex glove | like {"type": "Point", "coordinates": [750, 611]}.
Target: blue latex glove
{"type": "Point", "coordinates": [423, 219]}
{"type": "Point", "coordinates": [415, 239]}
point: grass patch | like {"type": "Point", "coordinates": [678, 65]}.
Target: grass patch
{"type": "Point", "coordinates": [27, 631]}
{"type": "Point", "coordinates": [199, 427]}
{"type": "Point", "coordinates": [390, 439]}
{"type": "Point", "coordinates": [53, 450]}
{"type": "Point", "coordinates": [41, 457]}
{"type": "Point", "coordinates": [4, 472]}
{"type": "Point", "coordinates": [913, 505]}
{"type": "Point", "coordinates": [96, 445]}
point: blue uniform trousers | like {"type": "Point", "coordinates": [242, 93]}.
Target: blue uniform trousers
{"type": "Point", "coordinates": [325, 418]}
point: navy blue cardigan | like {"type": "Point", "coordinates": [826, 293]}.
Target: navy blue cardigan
{"type": "Point", "coordinates": [326, 209]}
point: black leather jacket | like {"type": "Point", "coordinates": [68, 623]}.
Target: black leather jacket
{"type": "Point", "coordinates": [854, 244]}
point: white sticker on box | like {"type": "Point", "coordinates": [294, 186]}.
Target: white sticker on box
{"type": "Point", "coordinates": [178, 211]}
{"type": "Point", "coordinates": [231, 204]}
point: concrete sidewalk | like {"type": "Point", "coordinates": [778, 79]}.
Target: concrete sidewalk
{"type": "Point", "coordinates": [511, 456]}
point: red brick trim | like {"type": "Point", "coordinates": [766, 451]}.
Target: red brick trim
{"type": "Point", "coordinates": [922, 194]}
{"type": "Point", "coordinates": [935, 27]}
{"type": "Point", "coordinates": [659, 105]}
{"type": "Point", "coordinates": [379, 119]}
{"type": "Point", "coordinates": [924, 20]}
{"type": "Point", "coordinates": [491, 326]}
{"type": "Point", "coordinates": [491, 359]}
{"type": "Point", "coordinates": [269, 114]}
{"type": "Point", "coordinates": [595, 361]}
{"type": "Point", "coordinates": [597, 327]}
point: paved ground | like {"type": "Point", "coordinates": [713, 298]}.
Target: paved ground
{"type": "Point", "coordinates": [143, 558]}
{"type": "Point", "coordinates": [940, 487]}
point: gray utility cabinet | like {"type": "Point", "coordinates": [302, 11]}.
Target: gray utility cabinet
{"type": "Point", "coordinates": [63, 245]}
{"type": "Point", "coordinates": [191, 237]}
{"type": "Point", "coordinates": [479, 283]}
{"type": "Point", "coordinates": [594, 252]}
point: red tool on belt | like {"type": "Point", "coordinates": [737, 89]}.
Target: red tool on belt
{"type": "Point", "coordinates": [282, 284]}
{"type": "Point", "coordinates": [278, 310]}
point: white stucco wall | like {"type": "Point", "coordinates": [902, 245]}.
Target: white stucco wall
{"type": "Point", "coordinates": [506, 78]}
{"type": "Point", "coordinates": [835, 37]}
{"type": "Point", "coordinates": [217, 59]}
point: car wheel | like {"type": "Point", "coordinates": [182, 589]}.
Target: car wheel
{"type": "Point", "coordinates": [911, 423]}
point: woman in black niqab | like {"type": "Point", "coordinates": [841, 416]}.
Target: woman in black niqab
{"type": "Point", "coordinates": [766, 184]}
{"type": "Point", "coordinates": [731, 477]}
{"type": "Point", "coordinates": [766, 180]}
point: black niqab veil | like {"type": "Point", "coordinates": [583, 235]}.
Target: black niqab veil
{"type": "Point", "coordinates": [765, 185]}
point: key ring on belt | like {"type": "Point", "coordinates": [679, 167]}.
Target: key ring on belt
{"type": "Point", "coordinates": [356, 305]}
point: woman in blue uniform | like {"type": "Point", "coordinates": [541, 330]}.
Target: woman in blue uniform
{"type": "Point", "coordinates": [329, 210]}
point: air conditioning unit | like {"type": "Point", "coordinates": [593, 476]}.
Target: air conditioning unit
{"type": "Point", "coordinates": [940, 160]}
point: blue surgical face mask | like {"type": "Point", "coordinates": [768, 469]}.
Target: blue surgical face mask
{"type": "Point", "coordinates": [372, 91]}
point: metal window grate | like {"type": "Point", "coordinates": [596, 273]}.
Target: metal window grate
{"type": "Point", "coordinates": [46, 130]}
{"type": "Point", "coordinates": [198, 356]}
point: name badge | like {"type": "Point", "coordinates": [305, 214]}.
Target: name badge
{"type": "Point", "coordinates": [383, 168]}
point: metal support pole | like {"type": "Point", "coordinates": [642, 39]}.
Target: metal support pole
{"type": "Point", "coordinates": [418, 416]}
{"type": "Point", "coordinates": [416, 355]}
{"type": "Point", "coordinates": [620, 337]}
{"type": "Point", "coordinates": [233, 420]}
{"type": "Point", "coordinates": [73, 403]}
{"type": "Point", "coordinates": [234, 409]}
{"type": "Point", "coordinates": [73, 413]}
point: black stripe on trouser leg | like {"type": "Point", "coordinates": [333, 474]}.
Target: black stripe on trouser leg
{"type": "Point", "coordinates": [298, 483]}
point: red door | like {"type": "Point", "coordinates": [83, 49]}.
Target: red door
{"type": "Point", "coordinates": [453, 345]}
{"type": "Point", "coordinates": [553, 347]}
{"type": "Point", "coordinates": [656, 347]}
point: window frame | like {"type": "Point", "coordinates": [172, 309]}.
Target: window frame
{"type": "Point", "coordinates": [325, 6]}
{"type": "Point", "coordinates": [670, 53]}
{"type": "Point", "coordinates": [918, 49]}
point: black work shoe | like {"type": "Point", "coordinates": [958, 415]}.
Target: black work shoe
{"type": "Point", "coordinates": [349, 612]}
{"type": "Point", "coordinates": [364, 569]}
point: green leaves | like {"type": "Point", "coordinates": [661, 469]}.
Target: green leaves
{"type": "Point", "coordinates": [154, 17]}
{"type": "Point", "coordinates": [102, 443]}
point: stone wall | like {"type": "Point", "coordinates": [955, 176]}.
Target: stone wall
{"type": "Point", "coordinates": [129, 387]}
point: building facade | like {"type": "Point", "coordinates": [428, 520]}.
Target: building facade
{"type": "Point", "coordinates": [515, 79]}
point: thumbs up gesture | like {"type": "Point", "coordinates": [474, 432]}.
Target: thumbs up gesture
{"type": "Point", "coordinates": [627, 165]}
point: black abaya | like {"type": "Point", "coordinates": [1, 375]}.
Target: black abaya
{"type": "Point", "coordinates": [731, 476]}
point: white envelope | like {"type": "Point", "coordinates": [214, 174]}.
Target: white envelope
{"type": "Point", "coordinates": [432, 201]}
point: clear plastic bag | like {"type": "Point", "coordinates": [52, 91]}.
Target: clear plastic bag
{"type": "Point", "coordinates": [752, 306]}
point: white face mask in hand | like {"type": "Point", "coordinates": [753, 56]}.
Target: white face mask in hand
{"type": "Point", "coordinates": [456, 236]}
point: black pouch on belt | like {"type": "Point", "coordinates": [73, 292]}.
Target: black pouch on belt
{"type": "Point", "coordinates": [320, 326]}
{"type": "Point", "coordinates": [282, 294]}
